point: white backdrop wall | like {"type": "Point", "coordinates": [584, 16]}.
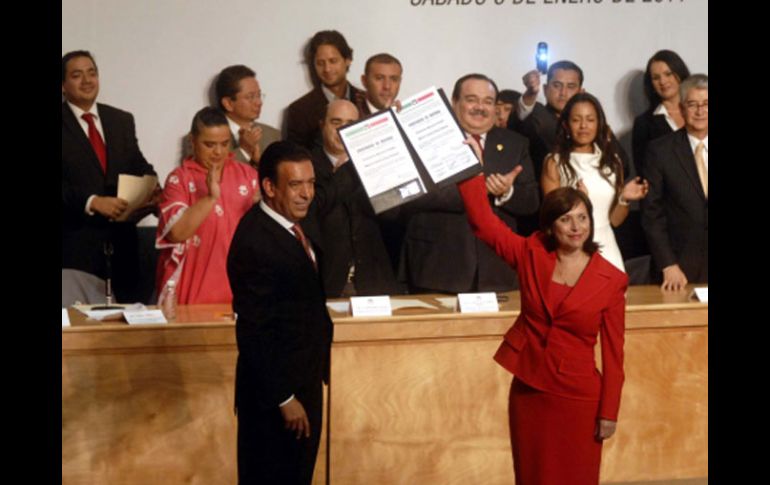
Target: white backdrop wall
{"type": "Point", "coordinates": [157, 58]}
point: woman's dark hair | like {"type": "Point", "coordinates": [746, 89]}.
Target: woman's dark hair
{"type": "Point", "coordinates": [558, 202]}
{"type": "Point", "coordinates": [206, 118]}
{"type": "Point", "coordinates": [677, 66]}
{"type": "Point", "coordinates": [565, 144]}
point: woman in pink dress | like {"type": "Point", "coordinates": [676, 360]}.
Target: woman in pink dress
{"type": "Point", "coordinates": [203, 200]}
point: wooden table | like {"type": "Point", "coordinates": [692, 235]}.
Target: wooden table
{"type": "Point", "coordinates": [414, 398]}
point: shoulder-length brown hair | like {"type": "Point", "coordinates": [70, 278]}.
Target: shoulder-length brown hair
{"type": "Point", "coordinates": [557, 203]}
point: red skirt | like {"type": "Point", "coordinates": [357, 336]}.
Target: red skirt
{"type": "Point", "coordinates": [553, 438]}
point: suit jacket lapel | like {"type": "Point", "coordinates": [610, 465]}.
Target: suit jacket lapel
{"type": "Point", "coordinates": [286, 242]}
{"type": "Point", "coordinates": [544, 264]}
{"type": "Point", "coordinates": [592, 281]}
{"type": "Point", "coordinates": [493, 157]}
{"type": "Point", "coordinates": [110, 137]}
{"type": "Point", "coordinates": [687, 160]}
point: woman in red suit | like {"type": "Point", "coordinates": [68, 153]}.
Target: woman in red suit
{"type": "Point", "coordinates": [561, 407]}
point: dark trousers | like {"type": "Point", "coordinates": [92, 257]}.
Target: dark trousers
{"type": "Point", "coordinates": [268, 453]}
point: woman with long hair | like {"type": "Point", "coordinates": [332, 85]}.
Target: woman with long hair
{"type": "Point", "coordinates": [664, 73]}
{"type": "Point", "coordinates": [584, 158]}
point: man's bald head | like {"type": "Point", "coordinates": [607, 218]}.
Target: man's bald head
{"type": "Point", "coordinates": [339, 113]}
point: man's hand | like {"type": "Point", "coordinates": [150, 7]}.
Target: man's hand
{"type": "Point", "coordinates": [673, 278]}
{"type": "Point", "coordinates": [110, 207]}
{"type": "Point", "coordinates": [249, 141]}
{"type": "Point", "coordinates": [151, 207]}
{"type": "Point", "coordinates": [499, 185]}
{"type": "Point", "coordinates": [295, 418]}
{"type": "Point", "coordinates": [532, 84]}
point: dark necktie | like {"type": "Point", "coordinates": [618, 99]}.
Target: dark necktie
{"type": "Point", "coordinates": [305, 244]}
{"type": "Point", "coordinates": [96, 141]}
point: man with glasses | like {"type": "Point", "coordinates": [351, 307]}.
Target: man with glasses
{"type": "Point", "coordinates": [441, 254]}
{"type": "Point", "coordinates": [240, 97]}
{"type": "Point", "coordinates": [675, 212]}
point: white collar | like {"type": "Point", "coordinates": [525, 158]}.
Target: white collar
{"type": "Point", "coordinates": [694, 141]}
{"type": "Point", "coordinates": [284, 222]}
{"type": "Point", "coordinates": [79, 112]}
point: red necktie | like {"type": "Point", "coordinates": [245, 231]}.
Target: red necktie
{"type": "Point", "coordinates": [96, 140]}
{"type": "Point", "coordinates": [305, 244]}
{"type": "Point", "coordinates": [478, 140]}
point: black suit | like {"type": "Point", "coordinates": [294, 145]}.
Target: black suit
{"type": "Point", "coordinates": [284, 335]}
{"type": "Point", "coordinates": [675, 213]}
{"type": "Point", "coordinates": [304, 115]}
{"type": "Point", "coordinates": [647, 127]}
{"type": "Point", "coordinates": [351, 234]}
{"type": "Point", "coordinates": [440, 252]}
{"type": "Point", "coordinates": [83, 236]}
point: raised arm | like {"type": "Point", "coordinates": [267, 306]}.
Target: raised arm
{"type": "Point", "coordinates": [484, 223]}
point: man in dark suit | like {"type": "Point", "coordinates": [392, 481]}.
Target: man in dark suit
{"type": "Point", "coordinates": [98, 143]}
{"type": "Point", "coordinates": [283, 329]}
{"type": "Point", "coordinates": [440, 252]}
{"type": "Point", "coordinates": [675, 212]}
{"type": "Point", "coordinates": [381, 80]}
{"type": "Point", "coordinates": [328, 56]}
{"type": "Point", "coordinates": [356, 261]}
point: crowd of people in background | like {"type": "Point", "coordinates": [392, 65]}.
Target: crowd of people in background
{"type": "Point", "coordinates": [659, 195]}
{"type": "Point", "coordinates": [276, 224]}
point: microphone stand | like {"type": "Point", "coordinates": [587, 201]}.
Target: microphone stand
{"type": "Point", "coordinates": [108, 250]}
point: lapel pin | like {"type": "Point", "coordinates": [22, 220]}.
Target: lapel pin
{"type": "Point", "coordinates": [499, 147]}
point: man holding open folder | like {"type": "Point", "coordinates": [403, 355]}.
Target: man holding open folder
{"type": "Point", "coordinates": [440, 253]}
{"type": "Point", "coordinates": [98, 142]}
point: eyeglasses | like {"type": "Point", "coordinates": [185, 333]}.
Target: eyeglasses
{"type": "Point", "coordinates": [254, 96]}
{"type": "Point", "coordinates": [694, 106]}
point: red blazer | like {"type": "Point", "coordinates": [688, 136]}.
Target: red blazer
{"type": "Point", "coordinates": [552, 349]}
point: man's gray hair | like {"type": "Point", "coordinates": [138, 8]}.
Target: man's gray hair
{"type": "Point", "coordinates": [695, 81]}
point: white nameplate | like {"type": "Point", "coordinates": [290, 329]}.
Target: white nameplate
{"type": "Point", "coordinates": [65, 318]}
{"type": "Point", "coordinates": [702, 294]}
{"type": "Point", "coordinates": [134, 317]}
{"type": "Point", "coordinates": [477, 302]}
{"type": "Point", "coordinates": [339, 306]}
{"type": "Point", "coordinates": [370, 306]}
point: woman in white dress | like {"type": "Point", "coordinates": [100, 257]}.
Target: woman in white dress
{"type": "Point", "coordinates": [585, 159]}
